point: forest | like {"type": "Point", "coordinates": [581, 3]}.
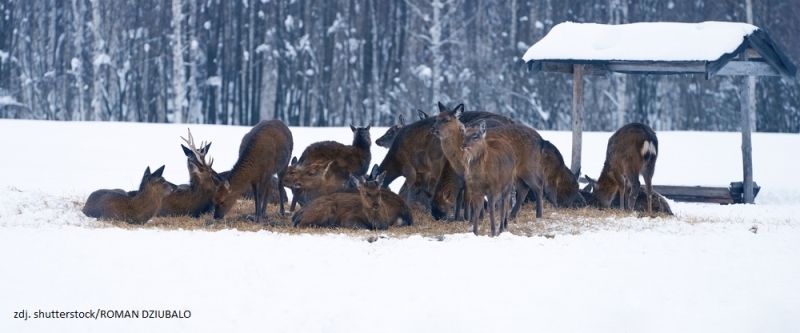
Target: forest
{"type": "Point", "coordinates": [336, 62]}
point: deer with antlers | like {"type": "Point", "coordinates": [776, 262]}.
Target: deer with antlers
{"type": "Point", "coordinates": [193, 199]}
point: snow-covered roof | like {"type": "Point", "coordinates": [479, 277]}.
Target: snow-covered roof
{"type": "Point", "coordinates": [646, 41]}
{"type": "Point", "coordinates": [661, 48]}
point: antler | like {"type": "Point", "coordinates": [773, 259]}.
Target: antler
{"type": "Point", "coordinates": [201, 157]}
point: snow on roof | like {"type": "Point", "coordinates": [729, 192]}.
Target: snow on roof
{"type": "Point", "coordinates": [647, 41]}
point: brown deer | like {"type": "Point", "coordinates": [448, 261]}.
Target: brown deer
{"type": "Point", "coordinates": [660, 204]}
{"type": "Point", "coordinates": [347, 160]}
{"type": "Point", "coordinates": [193, 199]}
{"type": "Point", "coordinates": [264, 152]}
{"type": "Point", "coordinates": [367, 206]}
{"type": "Point", "coordinates": [316, 180]}
{"type": "Point", "coordinates": [561, 185]}
{"type": "Point", "coordinates": [416, 154]}
{"type": "Point", "coordinates": [490, 166]}
{"type": "Point", "coordinates": [275, 195]}
{"type": "Point", "coordinates": [118, 205]}
{"type": "Point", "coordinates": [632, 151]}
{"type": "Point", "coordinates": [386, 139]}
{"type": "Point", "coordinates": [525, 141]}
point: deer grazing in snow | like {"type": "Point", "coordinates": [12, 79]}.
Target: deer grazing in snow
{"type": "Point", "coordinates": [193, 199]}
{"type": "Point", "coordinates": [561, 185]}
{"type": "Point", "coordinates": [632, 151]}
{"type": "Point", "coordinates": [660, 204]}
{"type": "Point", "coordinates": [525, 141]}
{"type": "Point", "coordinates": [138, 209]}
{"type": "Point", "coordinates": [367, 206]}
{"type": "Point", "coordinates": [489, 169]}
{"type": "Point", "coordinates": [264, 152]}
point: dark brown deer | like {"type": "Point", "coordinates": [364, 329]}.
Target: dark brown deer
{"type": "Point", "coordinates": [367, 206]}
{"type": "Point", "coordinates": [561, 185]}
{"type": "Point", "coordinates": [275, 195]}
{"type": "Point", "coordinates": [195, 198]}
{"type": "Point", "coordinates": [660, 204]}
{"type": "Point", "coordinates": [416, 154]}
{"type": "Point", "coordinates": [117, 205]}
{"type": "Point", "coordinates": [386, 139]}
{"type": "Point", "coordinates": [526, 142]}
{"type": "Point", "coordinates": [631, 151]}
{"type": "Point", "coordinates": [347, 160]}
{"type": "Point", "coordinates": [264, 152]}
{"type": "Point", "coordinates": [490, 166]}
{"type": "Point", "coordinates": [316, 180]}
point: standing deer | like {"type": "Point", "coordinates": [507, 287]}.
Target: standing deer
{"type": "Point", "coordinates": [561, 185]}
{"type": "Point", "coordinates": [195, 198]}
{"type": "Point", "coordinates": [631, 151]}
{"type": "Point", "coordinates": [525, 141]}
{"type": "Point", "coordinates": [386, 139]}
{"type": "Point", "coordinates": [264, 152]}
{"type": "Point", "coordinates": [489, 170]}
{"type": "Point", "coordinates": [138, 209]}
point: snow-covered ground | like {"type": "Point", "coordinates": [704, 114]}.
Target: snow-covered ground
{"type": "Point", "coordinates": [700, 271]}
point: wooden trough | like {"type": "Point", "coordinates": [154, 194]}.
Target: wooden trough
{"type": "Point", "coordinates": [721, 195]}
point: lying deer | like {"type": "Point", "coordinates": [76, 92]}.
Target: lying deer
{"type": "Point", "coordinates": [138, 209]}
{"type": "Point", "coordinates": [367, 206]}
{"type": "Point", "coordinates": [631, 151]}
{"type": "Point", "coordinates": [194, 199]}
{"type": "Point", "coordinates": [264, 152]}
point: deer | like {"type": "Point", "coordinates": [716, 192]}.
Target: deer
{"type": "Point", "coordinates": [316, 180]}
{"type": "Point", "coordinates": [347, 160]}
{"type": "Point", "coordinates": [264, 152]}
{"type": "Point", "coordinates": [449, 190]}
{"type": "Point", "coordinates": [275, 195]}
{"type": "Point", "coordinates": [632, 151]}
{"type": "Point", "coordinates": [417, 155]}
{"type": "Point", "coordinates": [367, 206]}
{"type": "Point", "coordinates": [561, 185]}
{"type": "Point", "coordinates": [489, 169]}
{"type": "Point", "coordinates": [386, 139]}
{"type": "Point", "coordinates": [660, 204]}
{"type": "Point", "coordinates": [193, 199]}
{"type": "Point", "coordinates": [449, 128]}
{"type": "Point", "coordinates": [116, 204]}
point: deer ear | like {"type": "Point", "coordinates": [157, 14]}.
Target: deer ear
{"type": "Point", "coordinates": [380, 178]}
{"type": "Point", "coordinates": [159, 171]}
{"type": "Point", "coordinates": [442, 108]}
{"type": "Point", "coordinates": [401, 120]}
{"type": "Point", "coordinates": [368, 126]}
{"type": "Point", "coordinates": [294, 160]}
{"type": "Point", "coordinates": [227, 185]}
{"type": "Point", "coordinates": [147, 172]}
{"type": "Point", "coordinates": [352, 128]}
{"type": "Point", "coordinates": [446, 194]}
{"type": "Point", "coordinates": [205, 149]}
{"type": "Point", "coordinates": [482, 127]}
{"type": "Point", "coordinates": [578, 173]}
{"type": "Point", "coordinates": [186, 151]}
{"type": "Point", "coordinates": [356, 182]}
{"type": "Point", "coordinates": [458, 111]}
{"type": "Point", "coordinates": [374, 172]}
{"type": "Point", "coordinates": [422, 114]}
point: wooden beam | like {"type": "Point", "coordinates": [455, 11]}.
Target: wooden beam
{"type": "Point", "coordinates": [756, 68]}
{"type": "Point", "coordinates": [747, 97]}
{"type": "Point", "coordinates": [720, 195]}
{"type": "Point", "coordinates": [577, 117]}
{"type": "Point", "coordinates": [560, 67]}
{"type": "Point", "coordinates": [657, 67]}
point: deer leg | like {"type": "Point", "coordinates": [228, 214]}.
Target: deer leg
{"type": "Point", "coordinates": [491, 214]}
{"type": "Point", "coordinates": [256, 196]}
{"type": "Point", "coordinates": [459, 202]}
{"type": "Point", "coordinates": [633, 183]}
{"type": "Point", "coordinates": [281, 194]}
{"type": "Point", "coordinates": [474, 206]}
{"type": "Point", "coordinates": [411, 178]}
{"type": "Point", "coordinates": [647, 173]}
{"type": "Point", "coordinates": [522, 192]}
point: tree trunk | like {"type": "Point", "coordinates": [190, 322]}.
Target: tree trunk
{"type": "Point", "coordinates": [178, 71]}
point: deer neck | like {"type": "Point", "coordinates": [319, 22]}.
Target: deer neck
{"type": "Point", "coordinates": [451, 147]}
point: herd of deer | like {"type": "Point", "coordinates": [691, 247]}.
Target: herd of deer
{"type": "Point", "coordinates": [473, 161]}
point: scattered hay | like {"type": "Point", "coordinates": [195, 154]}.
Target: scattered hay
{"type": "Point", "coordinates": [554, 222]}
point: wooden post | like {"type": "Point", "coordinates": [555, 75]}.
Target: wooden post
{"type": "Point", "coordinates": [577, 116]}
{"type": "Point", "coordinates": [748, 109]}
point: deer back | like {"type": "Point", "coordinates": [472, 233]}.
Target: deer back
{"type": "Point", "coordinates": [631, 150]}
{"type": "Point", "coordinates": [138, 209]}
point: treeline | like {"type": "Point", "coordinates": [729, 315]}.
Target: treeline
{"type": "Point", "coordinates": [334, 62]}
